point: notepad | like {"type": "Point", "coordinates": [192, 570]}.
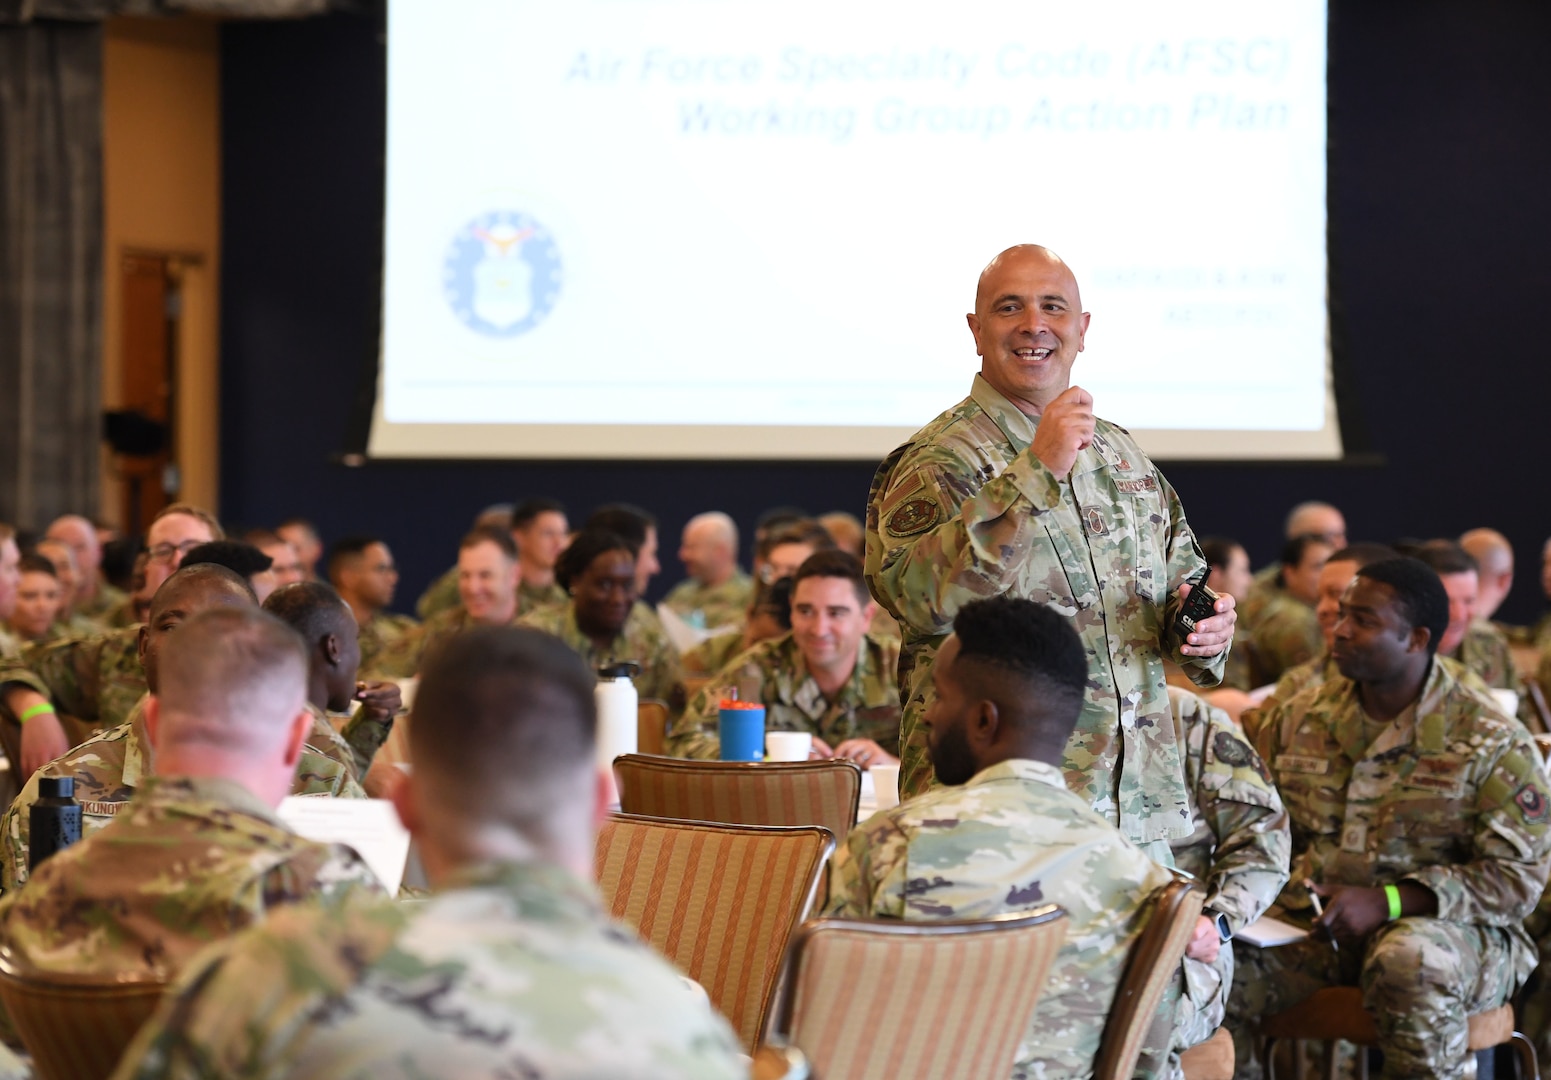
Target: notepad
{"type": "Point", "coordinates": [1267, 933]}
{"type": "Point", "coordinates": [370, 826]}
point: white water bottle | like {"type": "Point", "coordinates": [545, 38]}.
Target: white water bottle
{"type": "Point", "coordinates": [617, 705]}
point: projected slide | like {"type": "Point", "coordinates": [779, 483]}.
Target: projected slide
{"type": "Point", "coordinates": [683, 228]}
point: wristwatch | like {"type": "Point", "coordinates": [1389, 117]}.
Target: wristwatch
{"type": "Point", "coordinates": [1219, 920]}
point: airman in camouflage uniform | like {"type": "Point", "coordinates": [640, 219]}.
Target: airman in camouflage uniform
{"type": "Point", "coordinates": [641, 641]}
{"type": "Point", "coordinates": [774, 672]}
{"type": "Point", "coordinates": [101, 604]}
{"type": "Point", "coordinates": [402, 659]}
{"type": "Point", "coordinates": [1485, 650]}
{"type": "Point", "coordinates": [381, 635]}
{"type": "Point", "coordinates": [97, 680]}
{"type": "Point", "coordinates": [188, 862]}
{"type": "Point", "coordinates": [1239, 847]}
{"type": "Point", "coordinates": [1450, 796]}
{"type": "Point", "coordinates": [710, 606]}
{"type": "Point", "coordinates": [10, 645]}
{"type": "Point", "coordinates": [712, 654]}
{"type": "Point", "coordinates": [1283, 635]}
{"type": "Point", "coordinates": [442, 595]}
{"type": "Point", "coordinates": [111, 767]}
{"type": "Point", "coordinates": [1012, 839]}
{"type": "Point", "coordinates": [539, 981]}
{"type": "Point", "coordinates": [964, 510]}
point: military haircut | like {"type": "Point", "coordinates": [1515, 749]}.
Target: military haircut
{"type": "Point", "coordinates": [300, 523]}
{"type": "Point", "coordinates": [1216, 550]}
{"type": "Point", "coordinates": [1364, 554]}
{"type": "Point", "coordinates": [1294, 550]}
{"type": "Point", "coordinates": [1419, 594]}
{"type": "Point", "coordinates": [529, 509]}
{"type": "Point", "coordinates": [231, 674]}
{"type": "Point", "coordinates": [191, 574]}
{"type": "Point", "coordinates": [486, 534]}
{"type": "Point", "coordinates": [777, 516]}
{"type": "Point", "coordinates": [775, 600]}
{"type": "Point", "coordinates": [1033, 645]}
{"type": "Point", "coordinates": [238, 556]}
{"type": "Point", "coordinates": [586, 546]}
{"type": "Point", "coordinates": [1290, 526]}
{"type": "Point", "coordinates": [351, 547]}
{"type": "Point", "coordinates": [503, 721]}
{"type": "Point", "coordinates": [834, 563]}
{"type": "Point", "coordinates": [1447, 557]}
{"type": "Point", "coordinates": [623, 519]}
{"type": "Point", "coordinates": [311, 608]}
{"type": "Point", "coordinates": [33, 563]}
{"type": "Point", "coordinates": [807, 531]}
{"type": "Point", "coordinates": [190, 510]}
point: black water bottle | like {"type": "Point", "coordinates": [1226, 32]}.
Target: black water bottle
{"type": "Point", "coordinates": [55, 820]}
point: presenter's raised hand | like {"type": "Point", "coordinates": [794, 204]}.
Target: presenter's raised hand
{"type": "Point", "coordinates": [1065, 427]}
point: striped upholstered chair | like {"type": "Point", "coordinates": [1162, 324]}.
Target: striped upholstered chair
{"type": "Point", "coordinates": [720, 901]}
{"type": "Point", "coordinates": [886, 1000]}
{"type": "Point", "coordinates": [1155, 957]}
{"type": "Point", "coordinates": [75, 1026]}
{"type": "Point", "coordinates": [740, 793]}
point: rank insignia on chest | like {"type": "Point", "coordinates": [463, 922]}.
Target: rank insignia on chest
{"type": "Point", "coordinates": [1093, 518]}
{"type": "Point", "coordinates": [914, 516]}
{"type": "Point", "coordinates": [1532, 803]}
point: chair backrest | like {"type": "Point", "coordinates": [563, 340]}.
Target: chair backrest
{"type": "Point", "coordinates": [742, 793]}
{"type": "Point", "coordinates": [651, 726]}
{"type": "Point", "coordinates": [75, 1027]}
{"type": "Point", "coordinates": [1154, 960]}
{"type": "Point", "coordinates": [1538, 714]}
{"type": "Point", "coordinates": [880, 1000]}
{"type": "Point", "coordinates": [719, 901]}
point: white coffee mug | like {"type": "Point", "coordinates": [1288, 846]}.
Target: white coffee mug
{"type": "Point", "coordinates": [787, 745]}
{"type": "Point", "coordinates": [885, 785]}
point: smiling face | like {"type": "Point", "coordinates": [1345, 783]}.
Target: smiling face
{"type": "Point", "coordinates": [1028, 326]}
{"type": "Point", "coordinates": [38, 603]}
{"type": "Point", "coordinates": [605, 593]}
{"type": "Point", "coordinates": [1334, 577]}
{"type": "Point", "coordinates": [487, 584]}
{"type": "Point", "coordinates": [828, 621]}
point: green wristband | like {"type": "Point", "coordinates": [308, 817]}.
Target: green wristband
{"type": "Point", "coordinates": [1393, 894]}
{"type": "Point", "coordinates": [37, 710]}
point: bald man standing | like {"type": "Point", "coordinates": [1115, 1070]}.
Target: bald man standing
{"type": "Point", "coordinates": [1019, 490]}
{"type": "Point", "coordinates": [717, 592]}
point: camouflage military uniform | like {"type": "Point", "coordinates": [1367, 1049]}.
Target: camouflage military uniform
{"type": "Point", "coordinates": [712, 654]}
{"type": "Point", "coordinates": [188, 862]}
{"type": "Point", "coordinates": [10, 645]}
{"type": "Point", "coordinates": [512, 971]}
{"type": "Point", "coordinates": [97, 680]}
{"type": "Point", "coordinates": [964, 511]}
{"type": "Point", "coordinates": [641, 641]}
{"type": "Point", "coordinates": [1485, 651]}
{"type": "Point", "coordinates": [100, 606]}
{"type": "Point", "coordinates": [774, 672]}
{"type": "Point", "coordinates": [402, 659]}
{"type": "Point", "coordinates": [1012, 839]}
{"type": "Point", "coordinates": [1238, 848]}
{"type": "Point", "coordinates": [1284, 635]}
{"type": "Point", "coordinates": [383, 633]}
{"type": "Point", "coordinates": [109, 768]}
{"type": "Point", "coordinates": [710, 606]}
{"type": "Point", "coordinates": [1264, 586]}
{"type": "Point", "coordinates": [1449, 795]}
{"type": "Point", "coordinates": [121, 615]}
{"type": "Point", "coordinates": [441, 595]}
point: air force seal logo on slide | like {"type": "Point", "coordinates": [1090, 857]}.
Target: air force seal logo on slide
{"type": "Point", "coordinates": [501, 275]}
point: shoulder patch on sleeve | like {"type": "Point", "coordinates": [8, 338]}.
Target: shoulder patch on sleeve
{"type": "Point", "coordinates": [1532, 804]}
{"type": "Point", "coordinates": [914, 516]}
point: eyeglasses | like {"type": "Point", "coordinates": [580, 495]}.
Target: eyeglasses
{"type": "Point", "coordinates": [165, 552]}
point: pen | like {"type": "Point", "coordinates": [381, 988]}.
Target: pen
{"type": "Point", "coordinates": [1319, 909]}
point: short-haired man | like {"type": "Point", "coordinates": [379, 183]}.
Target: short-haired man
{"type": "Point", "coordinates": [1475, 643]}
{"type": "Point", "coordinates": [285, 563]}
{"type": "Point", "coordinates": [303, 537]}
{"type": "Point", "coordinates": [1419, 812]}
{"type": "Point", "coordinates": [361, 568]}
{"type": "Point", "coordinates": [1005, 834]}
{"type": "Point", "coordinates": [717, 591]}
{"type": "Point", "coordinates": [512, 968]}
{"type": "Point", "coordinates": [541, 531]}
{"type": "Point", "coordinates": [828, 676]}
{"type": "Point", "coordinates": [327, 628]}
{"type": "Point", "coordinates": [1283, 632]}
{"type": "Point", "coordinates": [442, 594]}
{"type": "Point", "coordinates": [95, 598]}
{"type": "Point", "coordinates": [487, 589]}
{"type": "Point", "coordinates": [39, 601]}
{"type": "Point", "coordinates": [1494, 561]}
{"type": "Point", "coordinates": [198, 853]}
{"type": "Point", "coordinates": [240, 557]}
{"type": "Point", "coordinates": [110, 766]}
{"type": "Point", "coordinates": [1317, 519]}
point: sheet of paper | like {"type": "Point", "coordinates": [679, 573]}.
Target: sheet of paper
{"type": "Point", "coordinates": [370, 826]}
{"type": "Point", "coordinates": [681, 635]}
{"type": "Point", "coordinates": [1268, 933]}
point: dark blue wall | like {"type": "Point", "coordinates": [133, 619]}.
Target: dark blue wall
{"type": "Point", "coordinates": [1440, 229]}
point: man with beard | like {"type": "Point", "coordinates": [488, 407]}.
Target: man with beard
{"type": "Point", "coordinates": [1004, 834]}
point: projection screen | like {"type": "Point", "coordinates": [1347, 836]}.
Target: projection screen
{"type": "Point", "coordinates": [724, 229]}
